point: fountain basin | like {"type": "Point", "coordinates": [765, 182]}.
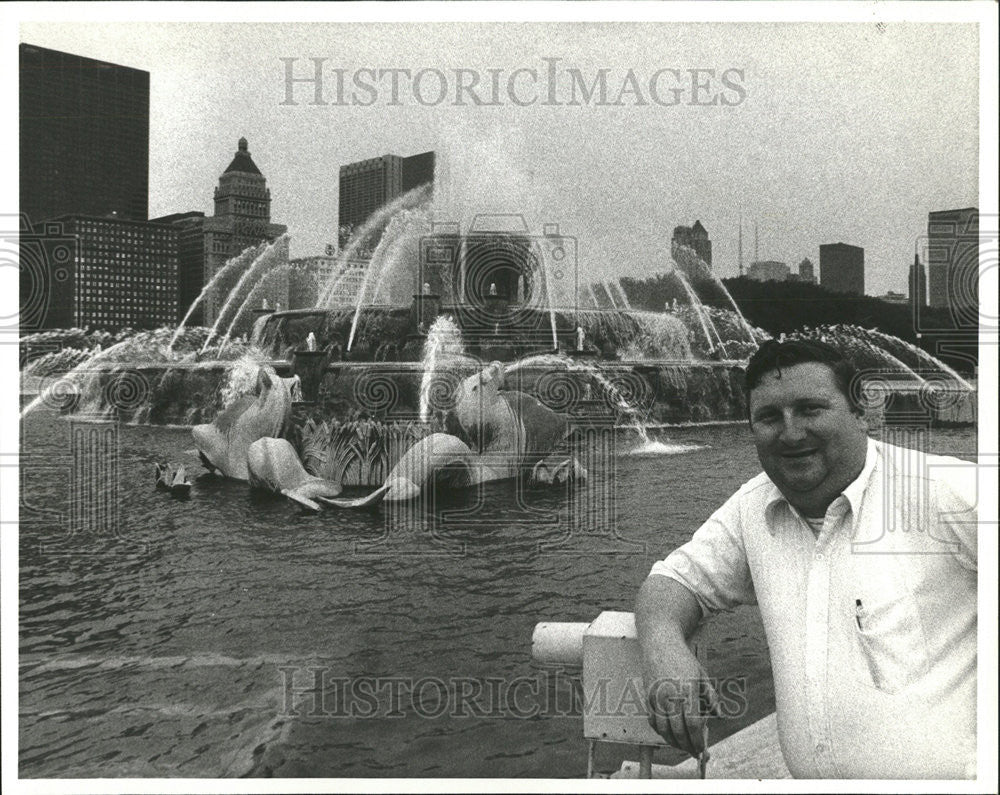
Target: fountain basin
{"type": "Point", "coordinates": [663, 392]}
{"type": "Point", "coordinates": [658, 393]}
{"type": "Point", "coordinates": [309, 367]}
{"type": "Point", "coordinates": [397, 333]}
{"type": "Point", "coordinates": [185, 393]}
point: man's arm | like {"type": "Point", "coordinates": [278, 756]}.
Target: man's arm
{"type": "Point", "coordinates": [708, 573]}
{"type": "Point", "coordinates": [679, 693]}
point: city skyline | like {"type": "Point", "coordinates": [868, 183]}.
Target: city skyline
{"type": "Point", "coordinates": [795, 153]}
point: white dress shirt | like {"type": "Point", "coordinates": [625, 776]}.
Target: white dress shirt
{"type": "Point", "coordinates": [871, 625]}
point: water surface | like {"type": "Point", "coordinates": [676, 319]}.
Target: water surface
{"type": "Point", "coordinates": [189, 643]}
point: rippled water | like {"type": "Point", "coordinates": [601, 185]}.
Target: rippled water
{"type": "Point", "coordinates": [189, 643]}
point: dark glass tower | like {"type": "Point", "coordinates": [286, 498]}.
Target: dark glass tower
{"type": "Point", "coordinates": [368, 184]}
{"type": "Point", "coordinates": [842, 268]}
{"type": "Point", "coordinates": [84, 137]}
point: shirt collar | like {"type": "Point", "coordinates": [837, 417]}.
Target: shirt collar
{"type": "Point", "coordinates": [854, 492]}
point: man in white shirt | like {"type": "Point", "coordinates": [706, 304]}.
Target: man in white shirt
{"type": "Point", "coordinates": [862, 558]}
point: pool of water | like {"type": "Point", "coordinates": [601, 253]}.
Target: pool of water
{"type": "Point", "coordinates": [231, 635]}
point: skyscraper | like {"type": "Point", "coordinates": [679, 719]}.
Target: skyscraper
{"type": "Point", "coordinates": [418, 170]}
{"type": "Point", "coordinates": [953, 260]}
{"type": "Point", "coordinates": [696, 238]}
{"type": "Point", "coordinates": [842, 268]}
{"type": "Point", "coordinates": [918, 282]}
{"type": "Point", "coordinates": [84, 137]}
{"type": "Point", "coordinates": [190, 228]}
{"type": "Point", "coordinates": [122, 274]}
{"type": "Point", "coordinates": [368, 184]}
{"type": "Point", "coordinates": [242, 219]}
{"type": "Point", "coordinates": [807, 273]}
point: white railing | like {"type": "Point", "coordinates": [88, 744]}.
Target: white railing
{"type": "Point", "coordinates": [614, 703]}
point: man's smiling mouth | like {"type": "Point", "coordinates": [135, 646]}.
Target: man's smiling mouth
{"type": "Point", "coordinates": [798, 453]}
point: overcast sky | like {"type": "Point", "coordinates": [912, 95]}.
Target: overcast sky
{"type": "Point", "coordinates": [839, 132]}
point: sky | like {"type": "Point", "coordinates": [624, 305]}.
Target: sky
{"type": "Point", "coordinates": [837, 132]}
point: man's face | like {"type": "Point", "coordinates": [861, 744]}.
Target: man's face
{"type": "Point", "coordinates": [809, 441]}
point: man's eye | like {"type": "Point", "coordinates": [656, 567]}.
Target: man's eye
{"type": "Point", "coordinates": [811, 411]}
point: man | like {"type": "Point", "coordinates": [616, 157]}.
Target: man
{"type": "Point", "coordinates": [862, 559]}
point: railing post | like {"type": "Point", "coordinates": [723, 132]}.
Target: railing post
{"type": "Point", "coordinates": [645, 761]}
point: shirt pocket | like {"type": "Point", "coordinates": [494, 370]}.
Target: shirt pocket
{"type": "Point", "coordinates": [891, 641]}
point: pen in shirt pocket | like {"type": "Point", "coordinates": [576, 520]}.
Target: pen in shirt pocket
{"type": "Point", "coordinates": [858, 612]}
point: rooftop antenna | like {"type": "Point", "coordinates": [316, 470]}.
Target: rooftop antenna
{"type": "Point", "coordinates": [740, 255]}
{"type": "Point", "coordinates": [756, 249]}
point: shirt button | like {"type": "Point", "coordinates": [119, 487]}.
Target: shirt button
{"type": "Point", "coordinates": [821, 749]}
{"type": "Point", "coordinates": [819, 556]}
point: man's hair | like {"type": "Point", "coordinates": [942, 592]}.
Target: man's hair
{"type": "Point", "coordinates": [775, 355]}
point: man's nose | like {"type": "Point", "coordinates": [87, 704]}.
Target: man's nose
{"type": "Point", "coordinates": [792, 429]}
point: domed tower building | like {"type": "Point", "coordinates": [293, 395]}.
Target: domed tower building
{"type": "Point", "coordinates": [242, 220]}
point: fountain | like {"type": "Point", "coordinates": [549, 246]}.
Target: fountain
{"type": "Point", "coordinates": [444, 343]}
{"type": "Point", "coordinates": [697, 270]}
{"type": "Point", "coordinates": [232, 266]}
{"type": "Point", "coordinates": [386, 370]}
{"type": "Point", "coordinates": [495, 292]}
{"type": "Point", "coordinates": [167, 375]}
{"type": "Point", "coordinates": [164, 375]}
{"type": "Point", "coordinates": [374, 225]}
{"type": "Point", "coordinates": [263, 283]}
{"type": "Point", "coordinates": [270, 256]}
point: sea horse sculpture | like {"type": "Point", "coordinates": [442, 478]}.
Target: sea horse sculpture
{"type": "Point", "coordinates": [274, 465]}
{"type": "Point", "coordinates": [498, 435]}
{"type": "Point", "coordinates": [223, 444]}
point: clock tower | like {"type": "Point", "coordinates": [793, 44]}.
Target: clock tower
{"type": "Point", "coordinates": [242, 220]}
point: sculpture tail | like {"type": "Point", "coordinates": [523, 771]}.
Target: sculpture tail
{"type": "Point", "coordinates": [393, 490]}
{"type": "Point", "coordinates": [295, 496]}
{"type": "Point", "coordinates": [358, 502]}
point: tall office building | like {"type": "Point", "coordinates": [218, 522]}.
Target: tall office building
{"type": "Point", "coordinates": [953, 259]}
{"type": "Point", "coordinates": [918, 283]}
{"type": "Point", "coordinates": [190, 228]}
{"type": "Point", "coordinates": [696, 238]}
{"type": "Point", "coordinates": [807, 273]}
{"type": "Point", "coordinates": [417, 170]}
{"type": "Point", "coordinates": [242, 220]}
{"type": "Point", "coordinates": [368, 184]}
{"type": "Point", "coordinates": [842, 268]}
{"type": "Point", "coordinates": [123, 274]}
{"type": "Point", "coordinates": [84, 137]}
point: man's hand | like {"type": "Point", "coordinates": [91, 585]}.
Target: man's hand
{"type": "Point", "coordinates": [681, 698]}
{"type": "Point", "coordinates": [679, 694]}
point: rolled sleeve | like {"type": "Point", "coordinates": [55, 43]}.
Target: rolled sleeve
{"type": "Point", "coordinates": [713, 564]}
{"type": "Point", "coordinates": [957, 520]}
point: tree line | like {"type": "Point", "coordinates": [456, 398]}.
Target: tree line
{"type": "Point", "coordinates": [781, 307]}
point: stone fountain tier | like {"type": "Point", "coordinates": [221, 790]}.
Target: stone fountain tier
{"type": "Point", "coordinates": [186, 393]}
{"type": "Point", "coordinates": [655, 392]}
{"type": "Point", "coordinates": [659, 392]}
{"type": "Point", "coordinates": [497, 330]}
